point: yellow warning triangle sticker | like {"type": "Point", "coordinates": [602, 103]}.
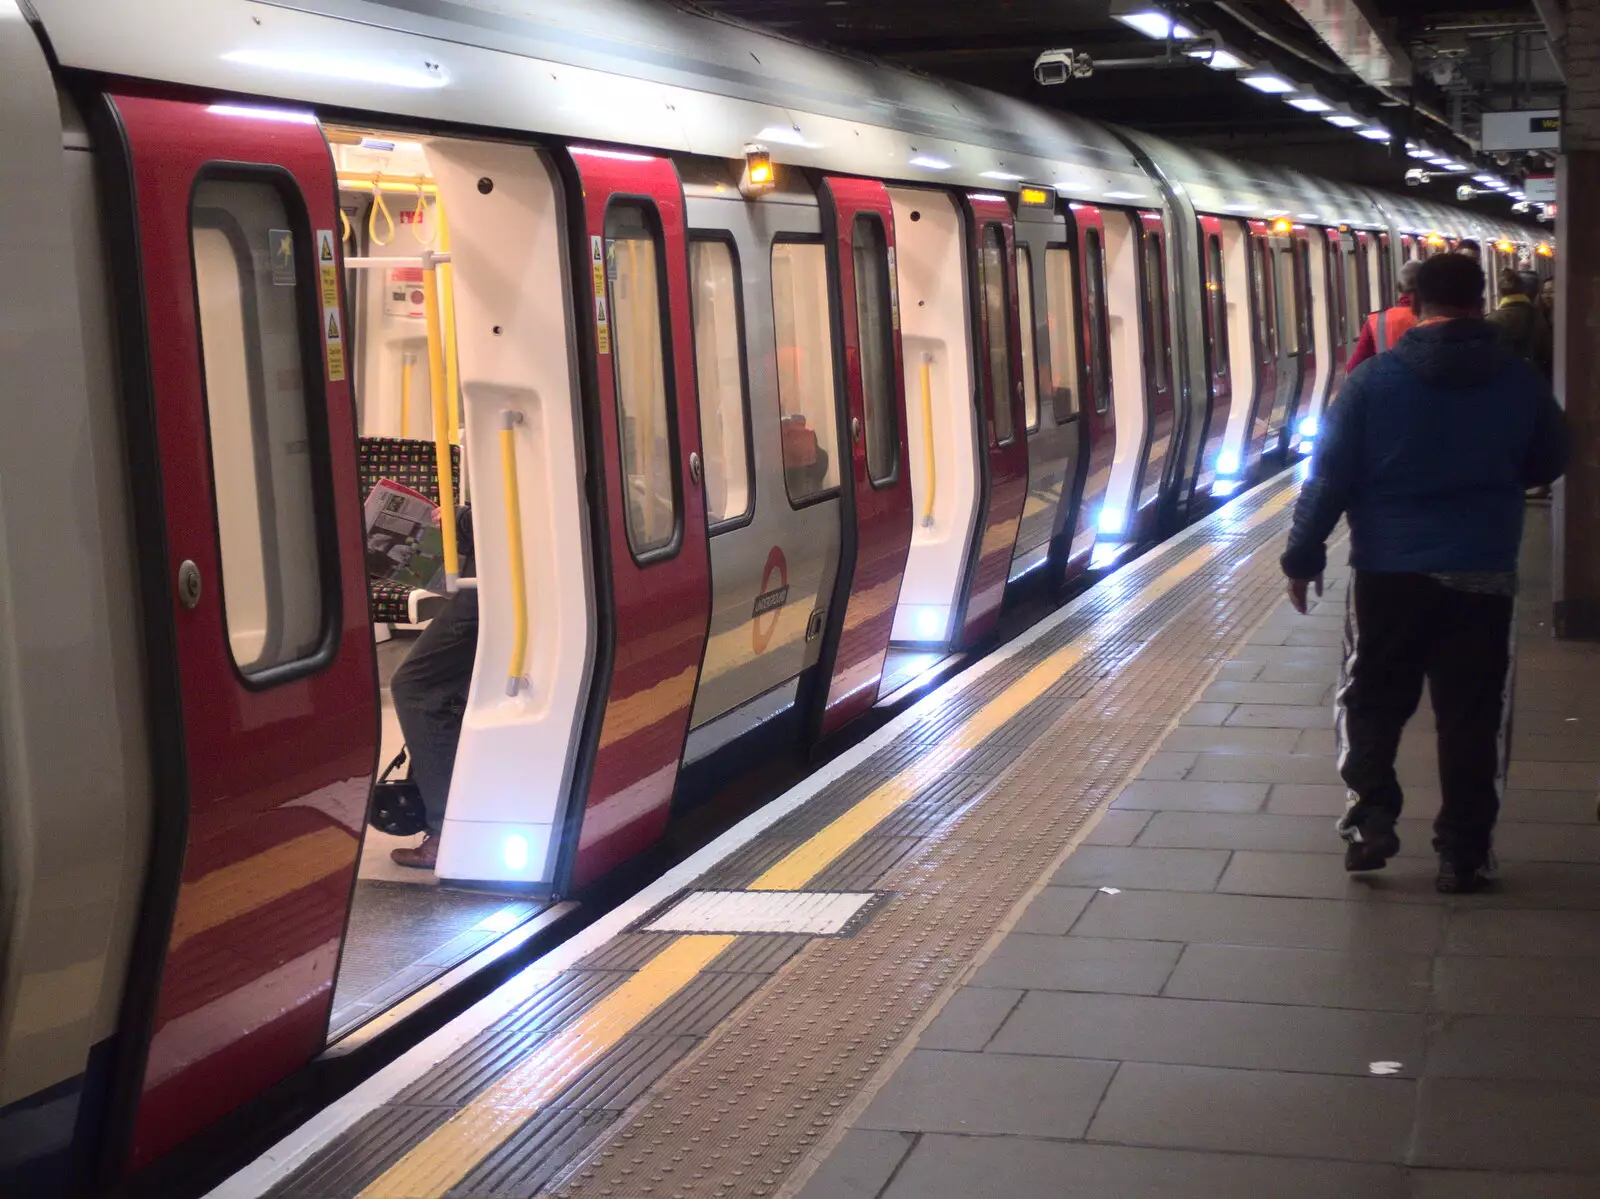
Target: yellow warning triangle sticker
{"type": "Point", "coordinates": [327, 250]}
{"type": "Point", "coordinates": [333, 326]}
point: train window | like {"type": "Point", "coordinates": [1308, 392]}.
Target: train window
{"type": "Point", "coordinates": [638, 363]}
{"type": "Point", "coordinates": [801, 322]}
{"type": "Point", "coordinates": [1352, 295]}
{"type": "Point", "coordinates": [1157, 346]}
{"type": "Point", "coordinates": [1262, 277]}
{"type": "Point", "coordinates": [251, 298]}
{"type": "Point", "coordinates": [1385, 273]}
{"type": "Point", "coordinates": [1302, 253]}
{"type": "Point", "coordinates": [875, 331]}
{"type": "Point", "coordinates": [1217, 304]}
{"type": "Point", "coordinates": [1099, 335]}
{"type": "Point", "coordinates": [996, 308]}
{"type": "Point", "coordinates": [1030, 365]}
{"type": "Point", "coordinates": [1061, 315]}
{"type": "Point", "coordinates": [719, 371]}
{"type": "Point", "coordinates": [1285, 295]}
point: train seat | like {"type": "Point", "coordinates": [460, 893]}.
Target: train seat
{"type": "Point", "coordinates": [409, 462]}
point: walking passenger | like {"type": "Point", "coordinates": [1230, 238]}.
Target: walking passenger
{"type": "Point", "coordinates": [1521, 324]}
{"type": "Point", "coordinates": [1427, 454]}
{"type": "Point", "coordinates": [1383, 329]}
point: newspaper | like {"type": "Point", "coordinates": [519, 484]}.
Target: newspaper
{"type": "Point", "coordinates": [404, 543]}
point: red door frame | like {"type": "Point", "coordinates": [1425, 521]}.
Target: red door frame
{"type": "Point", "coordinates": [1300, 246]}
{"type": "Point", "coordinates": [1159, 413]}
{"type": "Point", "coordinates": [660, 606]}
{"type": "Point", "coordinates": [1264, 341]}
{"type": "Point", "coordinates": [263, 781]}
{"type": "Point", "coordinates": [1005, 473]}
{"type": "Point", "coordinates": [878, 537]}
{"type": "Point", "coordinates": [1339, 336]}
{"type": "Point", "coordinates": [1097, 409]}
{"type": "Point", "coordinates": [1219, 371]}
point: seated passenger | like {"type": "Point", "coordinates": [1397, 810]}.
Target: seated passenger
{"type": "Point", "coordinates": [430, 700]}
{"type": "Point", "coordinates": [805, 462]}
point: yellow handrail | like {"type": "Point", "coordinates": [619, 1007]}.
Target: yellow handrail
{"type": "Point", "coordinates": [932, 489]}
{"type": "Point", "coordinates": [441, 423]}
{"type": "Point", "coordinates": [447, 293]}
{"type": "Point", "coordinates": [519, 574]}
{"type": "Point", "coordinates": [405, 395]}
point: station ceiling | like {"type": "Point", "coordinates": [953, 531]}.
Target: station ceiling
{"type": "Point", "coordinates": [1450, 59]}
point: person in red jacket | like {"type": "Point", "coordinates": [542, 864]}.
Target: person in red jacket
{"type": "Point", "coordinates": [1385, 328]}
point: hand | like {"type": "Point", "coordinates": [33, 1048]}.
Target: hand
{"type": "Point", "coordinates": [1298, 589]}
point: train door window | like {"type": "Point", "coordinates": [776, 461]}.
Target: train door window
{"type": "Point", "coordinates": [875, 331]}
{"type": "Point", "coordinates": [1157, 342]}
{"type": "Point", "coordinates": [1061, 315]}
{"type": "Point", "coordinates": [1352, 293]}
{"type": "Point", "coordinates": [1099, 352]}
{"type": "Point", "coordinates": [1286, 299]}
{"type": "Point", "coordinates": [636, 284]}
{"type": "Point", "coordinates": [719, 372]}
{"type": "Point", "coordinates": [1385, 273]}
{"type": "Point", "coordinates": [1030, 366]}
{"type": "Point", "coordinates": [1263, 287]}
{"type": "Point", "coordinates": [1302, 256]}
{"type": "Point", "coordinates": [1217, 306]}
{"type": "Point", "coordinates": [996, 306]}
{"type": "Point", "coordinates": [254, 306]}
{"type": "Point", "coordinates": [802, 325]}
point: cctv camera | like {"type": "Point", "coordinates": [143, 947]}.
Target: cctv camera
{"type": "Point", "coordinates": [1522, 206]}
{"type": "Point", "coordinates": [1415, 176]}
{"type": "Point", "coordinates": [1058, 66]}
{"type": "Point", "coordinates": [1466, 191]}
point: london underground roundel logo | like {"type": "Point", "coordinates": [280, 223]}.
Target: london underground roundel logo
{"type": "Point", "coordinates": [773, 595]}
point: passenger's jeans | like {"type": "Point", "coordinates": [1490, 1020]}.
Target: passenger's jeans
{"type": "Point", "coordinates": [1399, 630]}
{"type": "Point", "coordinates": [430, 698]}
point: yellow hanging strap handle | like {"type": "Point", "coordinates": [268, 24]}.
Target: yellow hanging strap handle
{"type": "Point", "coordinates": [348, 234]}
{"type": "Point", "coordinates": [431, 262]}
{"type": "Point", "coordinates": [932, 488]}
{"type": "Point", "coordinates": [379, 204]}
{"type": "Point", "coordinates": [519, 576]}
{"type": "Point", "coordinates": [421, 216]}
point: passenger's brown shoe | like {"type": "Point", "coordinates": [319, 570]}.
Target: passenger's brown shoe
{"type": "Point", "coordinates": [420, 857]}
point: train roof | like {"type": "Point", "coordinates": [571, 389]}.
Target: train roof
{"type": "Point", "coordinates": [639, 72]}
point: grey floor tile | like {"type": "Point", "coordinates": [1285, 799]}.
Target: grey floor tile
{"type": "Point", "coordinates": [1263, 768]}
{"type": "Point", "coordinates": [1292, 655]}
{"type": "Point", "coordinates": [1537, 884]}
{"type": "Point", "coordinates": [1499, 1125]}
{"type": "Point", "coordinates": [1298, 694]}
{"type": "Point", "coordinates": [1329, 637]}
{"type": "Point", "coordinates": [1293, 672]}
{"type": "Point", "coordinates": [1548, 1050]}
{"type": "Point", "coordinates": [1142, 869]}
{"type": "Point", "coordinates": [1117, 828]}
{"type": "Point", "coordinates": [970, 1017]}
{"type": "Point", "coordinates": [1199, 1032]}
{"type": "Point", "coordinates": [1474, 1184]}
{"type": "Point", "coordinates": [1547, 776]}
{"type": "Point", "coordinates": [1054, 910]}
{"type": "Point", "coordinates": [1265, 831]}
{"type": "Point", "coordinates": [1238, 671]}
{"type": "Point", "coordinates": [1556, 747]}
{"type": "Point", "coordinates": [1561, 807]}
{"type": "Point", "coordinates": [1167, 766]}
{"type": "Point", "coordinates": [1228, 739]}
{"type": "Point", "coordinates": [860, 1165]}
{"type": "Point", "coordinates": [1026, 961]}
{"type": "Point", "coordinates": [1257, 1111]}
{"type": "Point", "coordinates": [1519, 840]}
{"type": "Point", "coordinates": [1323, 876]}
{"type": "Point", "coordinates": [989, 1093]}
{"type": "Point", "coordinates": [1283, 716]}
{"type": "Point", "coordinates": [1316, 741]}
{"type": "Point", "coordinates": [1519, 986]}
{"type": "Point", "coordinates": [1316, 977]}
{"type": "Point", "coordinates": [1327, 800]}
{"type": "Point", "coordinates": [1207, 713]}
{"type": "Point", "coordinates": [1017, 1168]}
{"type": "Point", "coordinates": [1183, 796]}
{"type": "Point", "coordinates": [1255, 920]}
{"type": "Point", "coordinates": [1519, 933]}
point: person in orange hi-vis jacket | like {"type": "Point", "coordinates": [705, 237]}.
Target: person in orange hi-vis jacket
{"type": "Point", "coordinates": [1385, 328]}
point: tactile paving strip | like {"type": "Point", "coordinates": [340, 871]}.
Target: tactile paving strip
{"type": "Point", "coordinates": [741, 1112]}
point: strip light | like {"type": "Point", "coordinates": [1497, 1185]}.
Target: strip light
{"type": "Point", "coordinates": [1264, 81]}
{"type": "Point", "coordinates": [1343, 120]}
{"type": "Point", "coordinates": [1310, 104]}
{"type": "Point", "coordinates": [1152, 22]}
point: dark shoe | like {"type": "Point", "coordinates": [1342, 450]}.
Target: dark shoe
{"type": "Point", "coordinates": [1455, 878]}
{"type": "Point", "coordinates": [1369, 848]}
{"type": "Point", "coordinates": [419, 857]}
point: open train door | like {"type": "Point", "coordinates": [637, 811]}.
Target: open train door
{"type": "Point", "coordinates": [655, 575]}
{"type": "Point", "coordinates": [1304, 413]}
{"type": "Point", "coordinates": [1264, 333]}
{"type": "Point", "coordinates": [1156, 346]}
{"type": "Point", "coordinates": [858, 223]}
{"type": "Point", "coordinates": [1219, 370]}
{"type": "Point", "coordinates": [258, 650]}
{"type": "Point", "coordinates": [1099, 413]}
{"type": "Point", "coordinates": [1002, 420]}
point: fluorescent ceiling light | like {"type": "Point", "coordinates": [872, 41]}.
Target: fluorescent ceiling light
{"type": "Point", "coordinates": [1374, 134]}
{"type": "Point", "coordinates": [930, 164]}
{"type": "Point", "coordinates": [1501, 186]}
{"type": "Point", "coordinates": [1125, 195]}
{"type": "Point", "coordinates": [1307, 216]}
{"type": "Point", "coordinates": [1006, 176]}
{"type": "Point", "coordinates": [1490, 179]}
{"type": "Point", "coordinates": [1152, 22]}
{"type": "Point", "coordinates": [1421, 152]}
{"type": "Point", "coordinates": [329, 66]}
{"type": "Point", "coordinates": [1343, 120]}
{"type": "Point", "coordinates": [1219, 60]}
{"type": "Point", "coordinates": [1272, 85]}
{"type": "Point", "coordinates": [1458, 166]}
{"type": "Point", "coordinates": [1309, 104]}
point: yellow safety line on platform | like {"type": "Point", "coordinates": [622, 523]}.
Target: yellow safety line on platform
{"type": "Point", "coordinates": [443, 1158]}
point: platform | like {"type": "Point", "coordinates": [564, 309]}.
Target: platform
{"type": "Point", "coordinates": [1074, 923]}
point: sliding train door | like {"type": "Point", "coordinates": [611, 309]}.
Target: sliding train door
{"type": "Point", "coordinates": [1263, 305]}
{"type": "Point", "coordinates": [1219, 375]}
{"type": "Point", "coordinates": [259, 648]}
{"type": "Point", "coordinates": [1002, 421]}
{"type": "Point", "coordinates": [1155, 323]}
{"type": "Point", "coordinates": [858, 221]}
{"type": "Point", "coordinates": [644, 426]}
{"type": "Point", "coordinates": [1099, 413]}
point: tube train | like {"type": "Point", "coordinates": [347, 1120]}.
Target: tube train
{"type": "Point", "coordinates": [765, 369]}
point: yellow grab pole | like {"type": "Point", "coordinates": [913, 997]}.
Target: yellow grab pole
{"type": "Point", "coordinates": [405, 395]}
{"type": "Point", "coordinates": [519, 574]}
{"type": "Point", "coordinates": [447, 291]}
{"type": "Point", "coordinates": [441, 424]}
{"type": "Point", "coordinates": [932, 489]}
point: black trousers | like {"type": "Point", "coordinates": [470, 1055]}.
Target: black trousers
{"type": "Point", "coordinates": [1399, 630]}
{"type": "Point", "coordinates": [430, 698]}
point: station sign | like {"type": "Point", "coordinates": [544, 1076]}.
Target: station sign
{"type": "Point", "coordinates": [1540, 189]}
{"type": "Point", "coordinates": [1526, 129]}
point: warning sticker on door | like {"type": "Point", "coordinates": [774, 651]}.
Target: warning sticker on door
{"type": "Point", "coordinates": [327, 271]}
{"type": "Point", "coordinates": [280, 254]}
{"type": "Point", "coordinates": [597, 264]}
{"type": "Point", "coordinates": [333, 338]}
{"type": "Point", "coordinates": [602, 328]}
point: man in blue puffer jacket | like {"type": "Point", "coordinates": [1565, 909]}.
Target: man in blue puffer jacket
{"type": "Point", "coordinates": [1427, 452]}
